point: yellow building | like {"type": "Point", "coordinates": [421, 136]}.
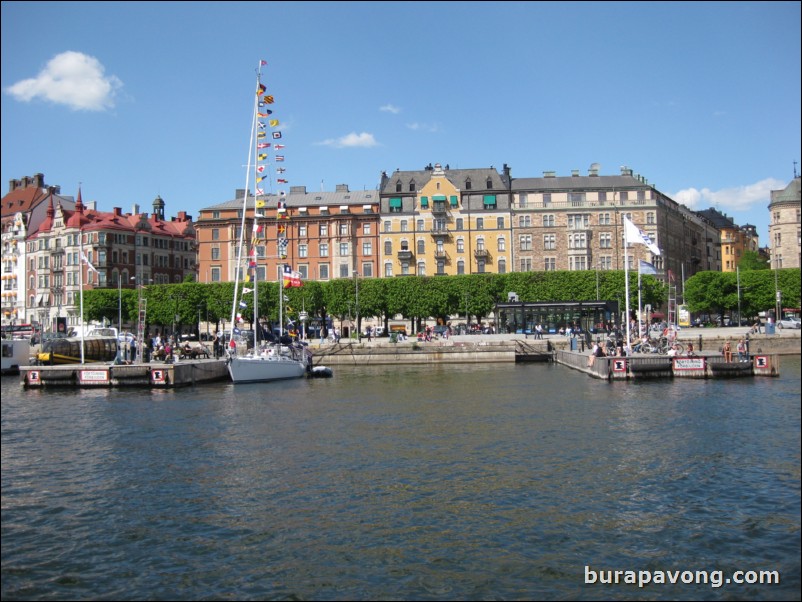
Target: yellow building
{"type": "Point", "coordinates": [440, 221]}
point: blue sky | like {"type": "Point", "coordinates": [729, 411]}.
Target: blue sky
{"type": "Point", "coordinates": [134, 100]}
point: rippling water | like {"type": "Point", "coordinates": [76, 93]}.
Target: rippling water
{"type": "Point", "coordinates": [437, 482]}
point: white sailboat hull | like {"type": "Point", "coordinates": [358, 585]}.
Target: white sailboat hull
{"type": "Point", "coordinates": [250, 369]}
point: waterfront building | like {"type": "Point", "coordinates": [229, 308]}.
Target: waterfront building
{"type": "Point", "coordinates": [329, 234]}
{"type": "Point", "coordinates": [121, 250]}
{"type": "Point", "coordinates": [735, 239]}
{"type": "Point", "coordinates": [442, 221]}
{"type": "Point", "coordinates": [784, 227]}
{"type": "Point", "coordinates": [24, 208]}
{"type": "Point", "coordinates": [576, 223]}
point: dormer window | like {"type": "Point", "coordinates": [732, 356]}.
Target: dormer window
{"type": "Point", "coordinates": [398, 186]}
{"type": "Point", "coordinates": [412, 186]}
{"type": "Point", "coordinates": [467, 183]}
{"type": "Point", "coordinates": [489, 183]}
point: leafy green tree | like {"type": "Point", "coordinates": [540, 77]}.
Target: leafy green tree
{"type": "Point", "coordinates": [752, 260]}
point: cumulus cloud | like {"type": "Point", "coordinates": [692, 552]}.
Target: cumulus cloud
{"type": "Point", "coordinates": [740, 198]}
{"type": "Point", "coordinates": [351, 140]}
{"type": "Point", "coordinates": [388, 108]}
{"type": "Point", "coordinates": [73, 79]}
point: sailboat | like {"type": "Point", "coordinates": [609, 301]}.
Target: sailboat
{"type": "Point", "coordinates": [275, 359]}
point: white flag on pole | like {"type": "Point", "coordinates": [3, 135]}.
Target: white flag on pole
{"type": "Point", "coordinates": [88, 263]}
{"type": "Point", "coordinates": [633, 235]}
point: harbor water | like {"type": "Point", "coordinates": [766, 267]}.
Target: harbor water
{"type": "Point", "coordinates": [491, 481]}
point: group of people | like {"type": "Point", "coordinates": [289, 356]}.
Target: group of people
{"type": "Point", "coordinates": [740, 349]}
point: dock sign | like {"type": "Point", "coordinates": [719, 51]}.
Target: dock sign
{"type": "Point", "coordinates": [761, 361]}
{"type": "Point", "coordinates": [619, 365]}
{"type": "Point", "coordinates": [158, 376]}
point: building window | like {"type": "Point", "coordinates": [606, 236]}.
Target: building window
{"type": "Point", "coordinates": [344, 229]}
{"type": "Point", "coordinates": [324, 230]}
{"type": "Point", "coordinates": [421, 247]}
{"type": "Point", "coordinates": [419, 225]}
{"type": "Point", "coordinates": [500, 223]}
{"type": "Point", "coordinates": [577, 240]}
{"type": "Point", "coordinates": [412, 186]}
{"type": "Point", "coordinates": [303, 250]}
{"type": "Point", "coordinates": [344, 272]}
{"type": "Point", "coordinates": [460, 245]}
{"type": "Point", "coordinates": [525, 242]}
{"type": "Point", "coordinates": [525, 221]}
{"type": "Point", "coordinates": [302, 231]}
{"type": "Point", "coordinates": [578, 263]}
{"type": "Point", "coordinates": [216, 274]}
{"type": "Point", "coordinates": [549, 264]}
{"type": "Point", "coordinates": [605, 262]}
{"type": "Point", "coordinates": [461, 266]}
{"type": "Point", "coordinates": [215, 253]}
{"type": "Point", "coordinates": [526, 264]}
{"type": "Point", "coordinates": [480, 223]}
{"type": "Point", "coordinates": [605, 240]}
{"type": "Point", "coordinates": [344, 249]}
{"type": "Point", "coordinates": [367, 248]}
{"type": "Point", "coordinates": [388, 270]}
{"type": "Point", "coordinates": [546, 198]}
{"type": "Point", "coordinates": [502, 265]}
{"type": "Point", "coordinates": [468, 184]}
{"type": "Point", "coordinates": [421, 268]}
{"type": "Point", "coordinates": [578, 221]}
{"type": "Point", "coordinates": [388, 226]}
{"type": "Point", "coordinates": [548, 221]}
{"type": "Point", "coordinates": [459, 224]}
{"type": "Point", "coordinates": [388, 247]}
{"type": "Point", "coordinates": [366, 229]}
{"type": "Point", "coordinates": [215, 234]}
{"type": "Point", "coordinates": [404, 226]}
{"type": "Point", "coordinates": [549, 242]}
{"type": "Point", "coordinates": [501, 244]}
{"type": "Point", "coordinates": [650, 218]}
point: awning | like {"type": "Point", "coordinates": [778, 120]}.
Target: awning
{"type": "Point", "coordinates": [439, 197]}
{"type": "Point", "coordinates": [395, 202]}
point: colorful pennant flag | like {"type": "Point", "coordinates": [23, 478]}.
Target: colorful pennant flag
{"type": "Point", "coordinates": [291, 277]}
{"type": "Point", "coordinates": [263, 145]}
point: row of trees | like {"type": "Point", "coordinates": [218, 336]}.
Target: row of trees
{"type": "Point", "coordinates": [421, 297]}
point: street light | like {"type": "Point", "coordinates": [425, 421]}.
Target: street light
{"type": "Point", "coordinates": [356, 280]}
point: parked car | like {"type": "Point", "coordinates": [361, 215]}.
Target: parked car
{"type": "Point", "coordinates": [789, 323]}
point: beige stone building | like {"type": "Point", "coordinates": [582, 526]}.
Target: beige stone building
{"type": "Point", "coordinates": [576, 223]}
{"type": "Point", "coordinates": [784, 226]}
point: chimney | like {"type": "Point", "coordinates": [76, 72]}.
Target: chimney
{"type": "Point", "coordinates": [39, 179]}
{"type": "Point", "coordinates": [342, 188]}
{"type": "Point", "coordinates": [549, 174]}
{"type": "Point", "coordinates": [297, 189]}
{"type": "Point", "coordinates": [574, 173]}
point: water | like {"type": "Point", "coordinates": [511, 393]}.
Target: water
{"type": "Point", "coordinates": [430, 483]}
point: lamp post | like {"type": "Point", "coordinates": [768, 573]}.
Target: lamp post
{"type": "Point", "coordinates": [356, 281]}
{"type": "Point", "coordinates": [200, 307]}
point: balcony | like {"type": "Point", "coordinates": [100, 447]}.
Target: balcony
{"type": "Point", "coordinates": [481, 253]}
{"type": "Point", "coordinates": [405, 255]}
{"type": "Point", "coordinates": [441, 254]}
{"type": "Point", "coordinates": [440, 231]}
{"type": "Point", "coordinates": [440, 208]}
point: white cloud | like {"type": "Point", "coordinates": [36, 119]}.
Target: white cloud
{"type": "Point", "coordinates": [351, 140]}
{"type": "Point", "coordinates": [388, 108]}
{"type": "Point", "coordinates": [73, 79]}
{"type": "Point", "coordinates": [740, 198]}
{"type": "Point", "coordinates": [424, 127]}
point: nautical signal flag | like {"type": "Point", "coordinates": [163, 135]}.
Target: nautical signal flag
{"type": "Point", "coordinates": [280, 170]}
{"type": "Point", "coordinates": [262, 63]}
{"type": "Point", "coordinates": [269, 100]}
{"type": "Point", "coordinates": [261, 90]}
{"type": "Point", "coordinates": [273, 123]}
{"type": "Point", "coordinates": [263, 145]}
{"type": "Point", "coordinates": [260, 203]}
{"type": "Point", "coordinates": [262, 156]}
{"type": "Point", "coordinates": [276, 135]}
{"type": "Point", "coordinates": [260, 169]}
{"type": "Point", "coordinates": [278, 146]}
{"type": "Point", "coordinates": [291, 277]}
{"type": "Point", "coordinates": [282, 181]}
{"type": "Point", "coordinates": [261, 134]}
{"type": "Point", "coordinates": [279, 158]}
{"type": "Point", "coordinates": [266, 113]}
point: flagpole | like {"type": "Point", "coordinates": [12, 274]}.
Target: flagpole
{"type": "Point", "coordinates": [626, 289]}
{"type": "Point", "coordinates": [280, 300]}
{"type": "Point", "coordinates": [640, 306]}
{"type": "Point", "coordinates": [81, 290]}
